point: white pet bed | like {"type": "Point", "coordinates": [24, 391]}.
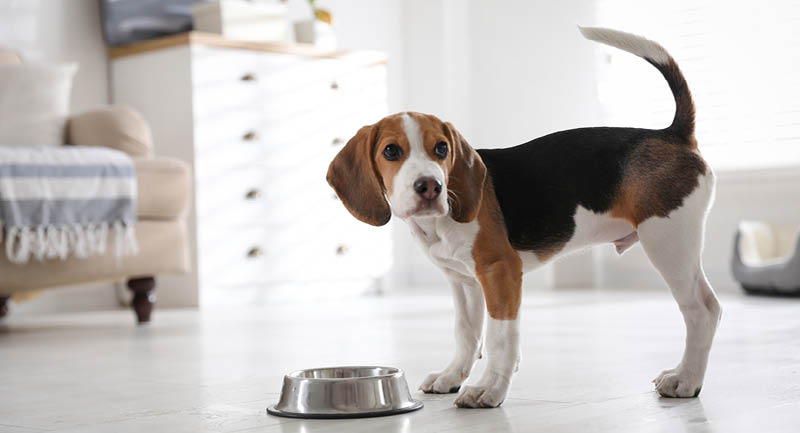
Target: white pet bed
{"type": "Point", "coordinates": [766, 258]}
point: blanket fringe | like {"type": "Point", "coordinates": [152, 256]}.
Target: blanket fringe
{"type": "Point", "coordinates": [51, 242]}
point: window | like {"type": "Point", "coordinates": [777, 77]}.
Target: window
{"type": "Point", "coordinates": [742, 62]}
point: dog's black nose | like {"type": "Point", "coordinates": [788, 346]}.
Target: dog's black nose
{"type": "Point", "coordinates": [428, 188]}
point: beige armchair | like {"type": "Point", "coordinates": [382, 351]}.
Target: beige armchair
{"type": "Point", "coordinates": [163, 195]}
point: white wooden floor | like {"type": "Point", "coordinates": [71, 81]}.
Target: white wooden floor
{"type": "Point", "coordinates": [588, 359]}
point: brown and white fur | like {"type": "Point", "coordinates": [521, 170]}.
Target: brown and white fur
{"type": "Point", "coordinates": [449, 200]}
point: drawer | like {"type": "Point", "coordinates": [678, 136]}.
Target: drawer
{"type": "Point", "coordinates": [233, 103]}
{"type": "Point", "coordinates": [359, 260]}
{"type": "Point", "coordinates": [212, 65]}
{"type": "Point", "coordinates": [271, 213]}
{"type": "Point", "coordinates": [306, 229]}
{"type": "Point", "coordinates": [235, 125]}
{"type": "Point", "coordinates": [223, 98]}
{"type": "Point", "coordinates": [348, 256]}
{"type": "Point", "coordinates": [275, 92]}
{"type": "Point", "coordinates": [339, 75]}
{"type": "Point", "coordinates": [357, 80]}
{"type": "Point", "coordinates": [234, 142]}
{"type": "Point", "coordinates": [350, 249]}
{"type": "Point", "coordinates": [220, 98]}
{"type": "Point", "coordinates": [280, 92]}
{"type": "Point", "coordinates": [317, 72]}
{"type": "Point", "coordinates": [263, 192]}
{"type": "Point", "coordinates": [247, 256]}
{"type": "Point", "coordinates": [316, 210]}
{"type": "Point", "coordinates": [295, 254]}
{"type": "Point", "coordinates": [223, 161]}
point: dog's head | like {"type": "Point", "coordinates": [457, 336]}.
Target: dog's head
{"type": "Point", "coordinates": [410, 164]}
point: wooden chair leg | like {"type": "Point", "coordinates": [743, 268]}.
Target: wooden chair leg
{"type": "Point", "coordinates": [143, 297]}
{"type": "Point", "coordinates": [4, 306]}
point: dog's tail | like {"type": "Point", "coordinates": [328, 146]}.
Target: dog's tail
{"type": "Point", "coordinates": [656, 55]}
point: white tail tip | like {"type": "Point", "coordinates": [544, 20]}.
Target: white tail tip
{"type": "Point", "coordinates": [629, 42]}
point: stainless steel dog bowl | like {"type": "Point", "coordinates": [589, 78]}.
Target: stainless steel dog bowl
{"type": "Point", "coordinates": [344, 392]}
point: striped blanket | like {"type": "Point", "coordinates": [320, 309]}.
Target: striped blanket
{"type": "Point", "coordinates": [62, 201]}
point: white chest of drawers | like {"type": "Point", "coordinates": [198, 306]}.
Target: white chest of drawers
{"type": "Point", "coordinates": [259, 124]}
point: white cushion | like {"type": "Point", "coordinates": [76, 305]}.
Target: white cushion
{"type": "Point", "coordinates": [34, 103]}
{"type": "Point", "coordinates": [762, 244]}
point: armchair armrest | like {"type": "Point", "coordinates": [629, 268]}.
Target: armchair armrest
{"type": "Point", "coordinates": [117, 127]}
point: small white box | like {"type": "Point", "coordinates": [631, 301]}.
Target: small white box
{"type": "Point", "coordinates": [243, 20]}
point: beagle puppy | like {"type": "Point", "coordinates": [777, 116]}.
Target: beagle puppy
{"type": "Point", "coordinates": [487, 216]}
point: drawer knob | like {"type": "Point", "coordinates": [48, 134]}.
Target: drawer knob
{"type": "Point", "coordinates": [334, 85]}
{"type": "Point", "coordinates": [337, 141]}
{"type": "Point", "coordinates": [254, 253]}
{"type": "Point", "coordinates": [250, 136]}
{"type": "Point", "coordinates": [342, 250]}
{"type": "Point", "coordinates": [253, 194]}
{"type": "Point", "coordinates": [249, 77]}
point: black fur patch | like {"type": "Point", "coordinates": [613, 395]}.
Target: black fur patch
{"type": "Point", "coordinates": [539, 184]}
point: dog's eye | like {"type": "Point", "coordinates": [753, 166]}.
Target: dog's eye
{"type": "Point", "coordinates": [440, 149]}
{"type": "Point", "coordinates": [392, 152]}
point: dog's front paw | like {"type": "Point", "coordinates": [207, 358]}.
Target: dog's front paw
{"type": "Point", "coordinates": [678, 382]}
{"type": "Point", "coordinates": [489, 392]}
{"type": "Point", "coordinates": [445, 382]}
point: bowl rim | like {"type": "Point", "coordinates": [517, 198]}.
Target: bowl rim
{"type": "Point", "coordinates": [393, 372]}
{"type": "Point", "coordinates": [414, 406]}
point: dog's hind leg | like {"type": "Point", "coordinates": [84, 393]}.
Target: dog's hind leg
{"type": "Point", "coordinates": [674, 245]}
{"type": "Point", "coordinates": [469, 306]}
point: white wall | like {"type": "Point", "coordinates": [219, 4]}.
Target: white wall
{"type": "Point", "coordinates": [60, 31]}
{"type": "Point", "coordinates": [433, 77]}
{"type": "Point", "coordinates": [503, 73]}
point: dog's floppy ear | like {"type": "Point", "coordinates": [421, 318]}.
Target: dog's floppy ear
{"type": "Point", "coordinates": [466, 177]}
{"type": "Point", "coordinates": [353, 176]}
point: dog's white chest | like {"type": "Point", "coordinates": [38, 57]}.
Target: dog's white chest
{"type": "Point", "coordinates": [447, 243]}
